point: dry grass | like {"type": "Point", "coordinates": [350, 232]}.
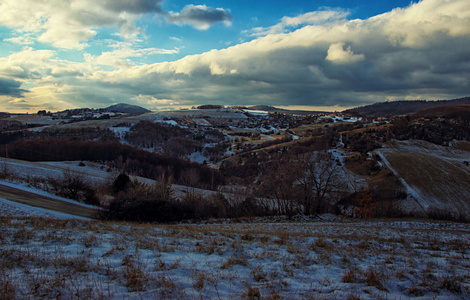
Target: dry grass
{"type": "Point", "coordinates": [436, 172]}
{"type": "Point", "coordinates": [40, 258]}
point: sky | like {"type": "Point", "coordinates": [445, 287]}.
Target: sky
{"type": "Point", "coordinates": [173, 54]}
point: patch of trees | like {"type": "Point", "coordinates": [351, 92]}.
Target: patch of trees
{"type": "Point", "coordinates": [210, 106]}
{"type": "Point", "coordinates": [325, 141]}
{"type": "Point", "coordinates": [80, 133]}
{"type": "Point", "coordinates": [123, 157]}
{"type": "Point", "coordinates": [243, 171]}
{"type": "Point", "coordinates": [362, 142]}
{"type": "Point", "coordinates": [74, 186]}
{"type": "Point", "coordinates": [273, 142]}
{"type": "Point", "coordinates": [10, 136]}
{"type": "Point", "coordinates": [146, 134]}
{"type": "Point", "coordinates": [181, 147]}
{"type": "Point", "coordinates": [373, 203]}
{"type": "Point", "coordinates": [134, 201]}
{"type": "Point", "coordinates": [9, 125]}
{"type": "Point", "coordinates": [166, 138]}
{"type": "Point", "coordinates": [307, 183]}
{"type": "Point", "coordinates": [432, 130]}
{"type": "Point", "coordinates": [396, 108]}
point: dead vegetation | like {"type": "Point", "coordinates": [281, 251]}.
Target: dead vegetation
{"type": "Point", "coordinates": [44, 258]}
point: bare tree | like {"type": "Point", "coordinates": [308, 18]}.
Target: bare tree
{"type": "Point", "coordinates": [320, 182]}
{"type": "Point", "coordinates": [280, 183]}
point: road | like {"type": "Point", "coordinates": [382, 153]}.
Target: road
{"type": "Point", "coordinates": [45, 202]}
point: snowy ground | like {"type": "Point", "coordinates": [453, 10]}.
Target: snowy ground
{"type": "Point", "coordinates": [50, 255]}
{"type": "Point", "coordinates": [65, 258]}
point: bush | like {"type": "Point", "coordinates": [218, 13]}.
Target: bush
{"type": "Point", "coordinates": [146, 210]}
{"type": "Point", "coordinates": [121, 183]}
{"type": "Point", "coordinates": [74, 186]}
{"type": "Point", "coordinates": [141, 203]}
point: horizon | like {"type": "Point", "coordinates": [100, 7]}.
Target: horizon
{"type": "Point", "coordinates": [323, 109]}
{"type": "Point", "coordinates": [168, 54]}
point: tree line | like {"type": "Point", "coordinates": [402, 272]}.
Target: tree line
{"type": "Point", "coordinates": [121, 157]}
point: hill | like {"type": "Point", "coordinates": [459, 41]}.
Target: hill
{"type": "Point", "coordinates": [273, 109]}
{"type": "Point", "coordinates": [436, 177]}
{"type": "Point", "coordinates": [458, 112]}
{"type": "Point", "coordinates": [403, 107]}
{"type": "Point", "coordinates": [126, 108]}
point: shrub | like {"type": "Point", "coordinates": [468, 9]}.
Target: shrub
{"type": "Point", "coordinates": [74, 186]}
{"type": "Point", "coordinates": [121, 183]}
{"type": "Point", "coordinates": [142, 204]}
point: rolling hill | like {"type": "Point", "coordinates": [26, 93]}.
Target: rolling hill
{"type": "Point", "coordinates": [460, 112]}
{"type": "Point", "coordinates": [403, 107]}
{"type": "Point", "coordinates": [436, 177]}
{"type": "Point", "coordinates": [126, 108]}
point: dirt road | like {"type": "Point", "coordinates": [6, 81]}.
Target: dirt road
{"type": "Point", "coordinates": [45, 202]}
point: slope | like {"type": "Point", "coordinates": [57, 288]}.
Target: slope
{"type": "Point", "coordinates": [436, 176]}
{"type": "Point", "coordinates": [404, 107]}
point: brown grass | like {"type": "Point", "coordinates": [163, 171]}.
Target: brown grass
{"type": "Point", "coordinates": [199, 261]}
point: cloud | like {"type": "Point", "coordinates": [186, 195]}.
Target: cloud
{"type": "Point", "coordinates": [415, 52]}
{"type": "Point", "coordinates": [28, 64]}
{"type": "Point", "coordinates": [132, 6]}
{"type": "Point", "coordinates": [10, 87]}
{"type": "Point", "coordinates": [200, 16]}
{"type": "Point", "coordinates": [20, 40]}
{"type": "Point", "coordinates": [120, 57]}
{"type": "Point", "coordinates": [310, 18]}
{"type": "Point", "coordinates": [71, 24]}
{"type": "Point", "coordinates": [418, 52]}
{"type": "Point", "coordinates": [337, 54]}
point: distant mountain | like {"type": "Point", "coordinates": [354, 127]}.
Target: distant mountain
{"type": "Point", "coordinates": [284, 111]}
{"type": "Point", "coordinates": [403, 107]}
{"type": "Point", "coordinates": [127, 108]}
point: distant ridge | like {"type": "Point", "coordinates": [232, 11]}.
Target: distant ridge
{"type": "Point", "coordinates": [126, 108]}
{"type": "Point", "coordinates": [268, 108]}
{"type": "Point", "coordinates": [461, 112]}
{"type": "Point", "coordinates": [402, 107]}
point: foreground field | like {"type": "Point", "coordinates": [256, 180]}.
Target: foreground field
{"type": "Point", "coordinates": [76, 259]}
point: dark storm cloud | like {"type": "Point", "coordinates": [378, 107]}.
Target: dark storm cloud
{"type": "Point", "coordinates": [200, 16]}
{"type": "Point", "coordinates": [134, 6]}
{"type": "Point", "coordinates": [10, 87]}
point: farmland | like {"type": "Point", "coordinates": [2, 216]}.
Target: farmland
{"type": "Point", "coordinates": [436, 176]}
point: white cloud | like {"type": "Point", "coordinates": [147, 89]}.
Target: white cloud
{"type": "Point", "coordinates": [120, 58]}
{"type": "Point", "coordinates": [151, 100]}
{"type": "Point", "coordinates": [174, 38]}
{"type": "Point", "coordinates": [393, 55]}
{"type": "Point", "coordinates": [337, 54]}
{"type": "Point", "coordinates": [310, 18]}
{"type": "Point", "coordinates": [313, 59]}
{"type": "Point", "coordinates": [71, 24]}
{"type": "Point", "coordinates": [20, 40]}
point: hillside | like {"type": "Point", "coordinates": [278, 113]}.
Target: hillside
{"type": "Point", "coordinates": [436, 177]}
{"type": "Point", "coordinates": [456, 112]}
{"type": "Point", "coordinates": [404, 107]}
{"type": "Point", "coordinates": [126, 108]}
{"type": "Point", "coordinates": [273, 109]}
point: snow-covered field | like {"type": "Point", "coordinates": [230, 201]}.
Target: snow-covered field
{"type": "Point", "coordinates": [342, 259]}
{"type": "Point", "coordinates": [51, 255]}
